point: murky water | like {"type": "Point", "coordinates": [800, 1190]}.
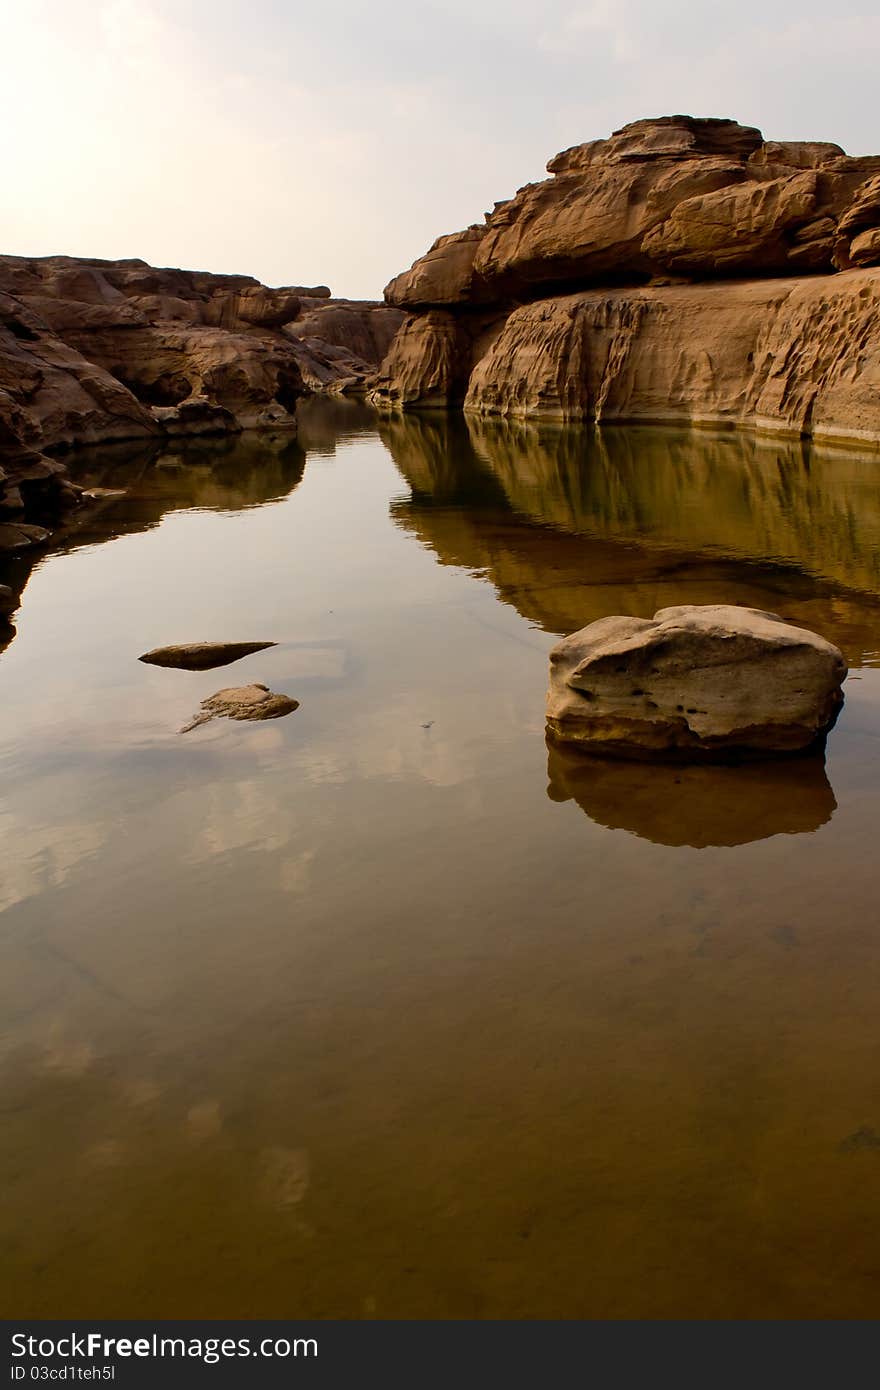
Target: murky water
{"type": "Point", "coordinates": [368, 1011]}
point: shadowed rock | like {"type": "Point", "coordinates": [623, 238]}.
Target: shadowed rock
{"type": "Point", "coordinates": [702, 806]}
{"type": "Point", "coordinates": [243, 702]}
{"type": "Point", "coordinates": [202, 656]}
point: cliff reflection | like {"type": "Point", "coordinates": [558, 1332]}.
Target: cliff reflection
{"type": "Point", "coordinates": [573, 523]}
{"type": "Point", "coordinates": [700, 806]}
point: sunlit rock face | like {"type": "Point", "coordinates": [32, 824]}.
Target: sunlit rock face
{"type": "Point", "coordinates": [694, 682]}
{"type": "Point", "coordinates": [683, 269]}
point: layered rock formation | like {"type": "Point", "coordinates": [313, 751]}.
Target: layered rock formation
{"type": "Point", "coordinates": [684, 269]}
{"type": "Point", "coordinates": [97, 351]}
{"type": "Point", "coordinates": [573, 524]}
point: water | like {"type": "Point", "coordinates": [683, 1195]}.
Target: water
{"type": "Point", "coordinates": [375, 1010]}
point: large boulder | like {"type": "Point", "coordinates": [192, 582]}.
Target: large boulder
{"type": "Point", "coordinates": [694, 682]}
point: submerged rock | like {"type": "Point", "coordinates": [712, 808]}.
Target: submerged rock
{"type": "Point", "coordinates": [202, 656]}
{"type": "Point", "coordinates": [694, 683]}
{"type": "Point", "coordinates": [243, 702]}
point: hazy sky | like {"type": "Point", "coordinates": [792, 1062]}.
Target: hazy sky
{"type": "Point", "coordinates": [331, 142]}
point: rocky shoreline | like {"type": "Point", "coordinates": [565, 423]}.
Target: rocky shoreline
{"type": "Point", "coordinates": [95, 352]}
{"type": "Point", "coordinates": [684, 270]}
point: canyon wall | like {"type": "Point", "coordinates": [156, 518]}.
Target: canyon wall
{"type": "Point", "coordinates": [100, 351]}
{"type": "Point", "coordinates": [682, 270]}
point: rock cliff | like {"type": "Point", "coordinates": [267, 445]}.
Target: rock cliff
{"type": "Point", "coordinates": [97, 351]}
{"type": "Point", "coordinates": [684, 269]}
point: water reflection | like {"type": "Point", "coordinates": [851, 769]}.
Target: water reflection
{"type": "Point", "coordinates": [571, 524]}
{"type": "Point", "coordinates": [697, 806]}
{"type": "Point", "coordinates": [145, 482]}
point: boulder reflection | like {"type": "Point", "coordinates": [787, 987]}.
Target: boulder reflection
{"type": "Point", "coordinates": [702, 806]}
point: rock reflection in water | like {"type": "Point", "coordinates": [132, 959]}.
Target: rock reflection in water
{"type": "Point", "coordinates": [573, 523]}
{"type": "Point", "coordinates": [700, 806]}
{"type": "Point", "coordinates": [137, 484]}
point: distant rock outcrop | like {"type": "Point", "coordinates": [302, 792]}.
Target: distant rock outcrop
{"type": "Point", "coordinates": [587, 296]}
{"type": "Point", "coordinates": [97, 351]}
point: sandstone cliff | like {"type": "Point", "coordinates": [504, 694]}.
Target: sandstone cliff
{"type": "Point", "coordinates": [684, 269]}
{"type": "Point", "coordinates": [97, 351]}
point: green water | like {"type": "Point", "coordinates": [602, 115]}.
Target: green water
{"type": "Point", "coordinates": [376, 1010]}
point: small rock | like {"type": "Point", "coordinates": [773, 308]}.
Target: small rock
{"type": "Point", "coordinates": [19, 535]}
{"type": "Point", "coordinates": [693, 683]}
{"type": "Point", "coordinates": [100, 494]}
{"type": "Point", "coordinates": [243, 702]}
{"type": "Point", "coordinates": [202, 656]}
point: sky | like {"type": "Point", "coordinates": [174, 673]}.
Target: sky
{"type": "Point", "coordinates": [330, 143]}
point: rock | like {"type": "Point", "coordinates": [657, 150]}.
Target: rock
{"type": "Point", "coordinates": [428, 362]}
{"type": "Point", "coordinates": [340, 344]}
{"type": "Point", "coordinates": [243, 702]}
{"type": "Point", "coordinates": [586, 295]}
{"type": "Point", "coordinates": [99, 351]}
{"type": "Point", "coordinates": [196, 416]}
{"type": "Point", "coordinates": [8, 599]}
{"type": "Point", "coordinates": [702, 197]}
{"type": "Point", "coordinates": [746, 228]}
{"type": "Point", "coordinates": [21, 536]}
{"type": "Point", "coordinates": [795, 356]}
{"type": "Point", "coordinates": [444, 275]}
{"type": "Point", "coordinates": [202, 656]}
{"type": "Point", "coordinates": [700, 805]}
{"type": "Point", "coordinates": [694, 683]}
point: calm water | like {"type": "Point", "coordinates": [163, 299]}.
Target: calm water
{"type": "Point", "coordinates": [372, 1011]}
